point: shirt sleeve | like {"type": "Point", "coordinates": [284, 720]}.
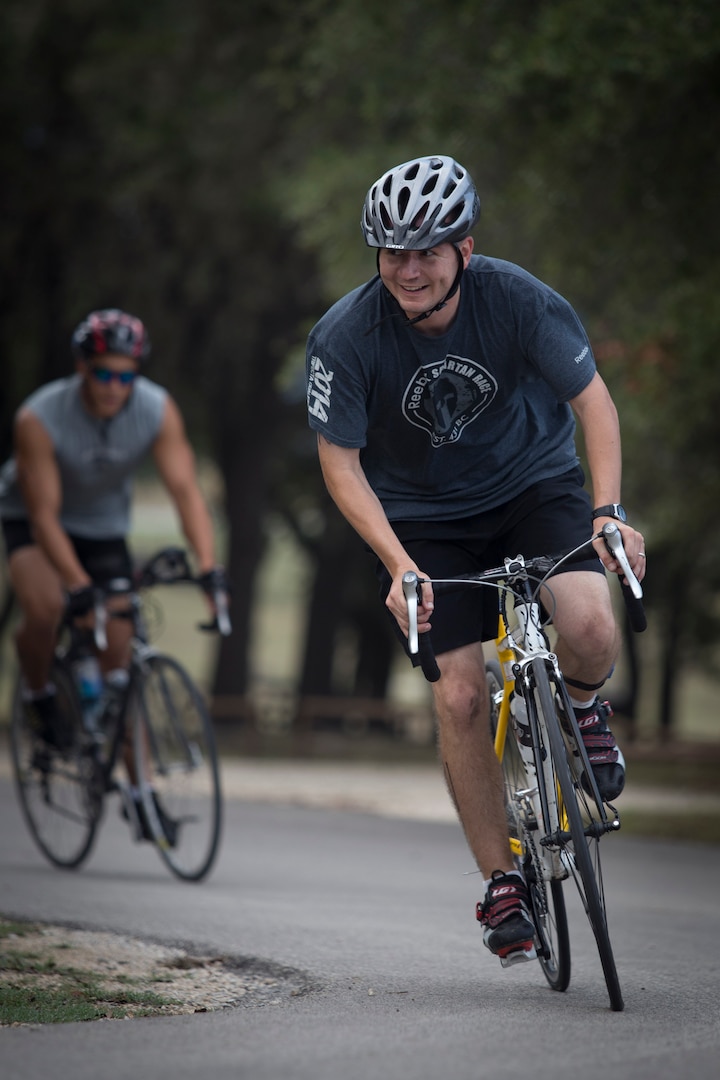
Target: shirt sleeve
{"type": "Point", "coordinates": [336, 396]}
{"type": "Point", "coordinates": [560, 350]}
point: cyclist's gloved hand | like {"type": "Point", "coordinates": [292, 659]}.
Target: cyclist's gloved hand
{"type": "Point", "coordinates": [80, 601]}
{"type": "Point", "coordinates": [215, 580]}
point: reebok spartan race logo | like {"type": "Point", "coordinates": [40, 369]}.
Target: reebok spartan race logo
{"type": "Point", "coordinates": [443, 398]}
{"type": "Point", "coordinates": [319, 389]}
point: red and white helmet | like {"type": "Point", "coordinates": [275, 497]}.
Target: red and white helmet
{"type": "Point", "coordinates": [111, 331]}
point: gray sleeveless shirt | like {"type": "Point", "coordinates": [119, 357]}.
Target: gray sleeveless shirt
{"type": "Point", "coordinates": [97, 458]}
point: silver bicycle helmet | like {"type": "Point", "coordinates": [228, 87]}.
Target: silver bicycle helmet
{"type": "Point", "coordinates": [420, 204]}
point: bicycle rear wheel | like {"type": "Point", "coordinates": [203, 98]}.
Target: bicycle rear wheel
{"type": "Point", "coordinates": [59, 784]}
{"type": "Point", "coordinates": [546, 897]}
{"type": "Point", "coordinates": [177, 767]}
{"type": "Point", "coordinates": [582, 826]}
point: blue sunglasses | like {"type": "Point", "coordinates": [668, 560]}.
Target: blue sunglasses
{"type": "Point", "coordinates": [105, 375]}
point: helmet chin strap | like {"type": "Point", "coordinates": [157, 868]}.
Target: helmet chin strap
{"type": "Point", "coordinates": [424, 314]}
{"type": "Point", "coordinates": [449, 295]}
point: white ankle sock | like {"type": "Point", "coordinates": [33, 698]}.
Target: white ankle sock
{"type": "Point", "coordinates": [582, 704]}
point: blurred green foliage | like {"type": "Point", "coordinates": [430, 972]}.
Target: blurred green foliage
{"type": "Point", "coordinates": [204, 164]}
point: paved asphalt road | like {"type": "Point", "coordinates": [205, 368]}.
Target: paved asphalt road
{"type": "Point", "coordinates": [372, 917]}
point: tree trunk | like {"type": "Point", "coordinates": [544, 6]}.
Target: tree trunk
{"type": "Point", "coordinates": [671, 654]}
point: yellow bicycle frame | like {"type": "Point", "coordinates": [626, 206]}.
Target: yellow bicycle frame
{"type": "Point", "coordinates": [506, 658]}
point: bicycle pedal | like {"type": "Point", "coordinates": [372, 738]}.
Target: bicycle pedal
{"type": "Point", "coordinates": [519, 956]}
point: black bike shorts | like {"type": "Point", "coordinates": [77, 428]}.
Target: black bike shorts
{"type": "Point", "coordinates": [103, 560]}
{"type": "Point", "coordinates": [547, 518]}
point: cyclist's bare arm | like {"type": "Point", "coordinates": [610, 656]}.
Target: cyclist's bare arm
{"type": "Point", "coordinates": [41, 486]}
{"type": "Point", "coordinates": [348, 486]}
{"type": "Point", "coordinates": [175, 462]}
{"type": "Point", "coordinates": [598, 419]}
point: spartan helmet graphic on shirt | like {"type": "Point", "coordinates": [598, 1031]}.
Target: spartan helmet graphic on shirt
{"type": "Point", "coordinates": [443, 398]}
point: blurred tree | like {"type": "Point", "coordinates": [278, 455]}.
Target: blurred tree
{"type": "Point", "coordinates": [205, 164]}
{"type": "Point", "coordinates": [588, 130]}
{"type": "Point", "coordinates": [138, 150]}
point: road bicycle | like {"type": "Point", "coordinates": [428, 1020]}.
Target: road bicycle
{"type": "Point", "coordinates": [154, 720]}
{"type": "Point", "coordinates": [556, 816]}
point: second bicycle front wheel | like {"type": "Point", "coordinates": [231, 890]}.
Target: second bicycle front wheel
{"type": "Point", "coordinates": [579, 842]}
{"type": "Point", "coordinates": [546, 897]}
{"type": "Point", "coordinates": [176, 766]}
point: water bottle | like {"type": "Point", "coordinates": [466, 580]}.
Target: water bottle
{"type": "Point", "coordinates": [114, 696]}
{"type": "Point", "coordinates": [88, 679]}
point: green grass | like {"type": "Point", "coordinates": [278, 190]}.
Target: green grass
{"type": "Point", "coordinates": [35, 989]}
{"type": "Point", "coordinates": [8, 928]}
{"type": "Point", "coordinates": [77, 997]}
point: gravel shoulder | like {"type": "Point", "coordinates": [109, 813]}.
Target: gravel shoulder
{"type": "Point", "coordinates": [130, 977]}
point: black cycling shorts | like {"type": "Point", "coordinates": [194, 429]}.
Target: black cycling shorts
{"type": "Point", "coordinates": [548, 518]}
{"type": "Point", "coordinates": [103, 560]}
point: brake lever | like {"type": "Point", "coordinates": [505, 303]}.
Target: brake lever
{"type": "Point", "coordinates": [613, 540]}
{"type": "Point", "coordinates": [221, 623]}
{"type": "Point", "coordinates": [100, 622]}
{"type": "Point", "coordinates": [410, 590]}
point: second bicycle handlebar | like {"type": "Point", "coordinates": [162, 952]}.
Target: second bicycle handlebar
{"type": "Point", "coordinates": [169, 566]}
{"type": "Point", "coordinates": [540, 568]}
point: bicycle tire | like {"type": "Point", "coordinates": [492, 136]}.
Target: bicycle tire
{"type": "Point", "coordinates": [579, 844]}
{"type": "Point", "coordinates": [546, 897]}
{"type": "Point", "coordinates": [59, 787]}
{"type": "Point", "coordinates": [176, 766]}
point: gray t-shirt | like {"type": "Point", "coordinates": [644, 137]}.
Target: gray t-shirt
{"type": "Point", "coordinates": [452, 425]}
{"type": "Point", "coordinates": [96, 458]}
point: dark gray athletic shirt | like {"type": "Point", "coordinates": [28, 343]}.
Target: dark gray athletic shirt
{"type": "Point", "coordinates": [97, 458]}
{"type": "Point", "coordinates": [453, 425]}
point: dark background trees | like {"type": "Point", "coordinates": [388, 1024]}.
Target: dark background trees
{"type": "Point", "coordinates": [204, 165]}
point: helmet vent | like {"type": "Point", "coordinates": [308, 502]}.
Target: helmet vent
{"type": "Point", "coordinates": [420, 204]}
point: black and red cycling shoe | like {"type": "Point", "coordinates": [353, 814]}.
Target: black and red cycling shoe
{"type": "Point", "coordinates": [509, 932]}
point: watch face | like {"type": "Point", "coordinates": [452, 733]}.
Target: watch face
{"type": "Point", "coordinates": [620, 513]}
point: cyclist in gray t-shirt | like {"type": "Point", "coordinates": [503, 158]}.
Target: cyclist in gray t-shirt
{"type": "Point", "coordinates": [65, 493]}
{"type": "Point", "coordinates": [444, 394]}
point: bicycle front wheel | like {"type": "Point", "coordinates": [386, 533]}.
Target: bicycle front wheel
{"type": "Point", "coordinates": [581, 828]}
{"type": "Point", "coordinates": [57, 778]}
{"type": "Point", "coordinates": [176, 765]}
{"type": "Point", "coordinates": [546, 897]}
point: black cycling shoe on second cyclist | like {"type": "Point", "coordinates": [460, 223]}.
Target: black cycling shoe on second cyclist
{"type": "Point", "coordinates": [505, 914]}
{"type": "Point", "coordinates": [606, 759]}
{"type": "Point", "coordinates": [47, 722]}
{"type": "Point", "coordinates": [169, 826]}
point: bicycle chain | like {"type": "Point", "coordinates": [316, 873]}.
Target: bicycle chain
{"type": "Point", "coordinates": [540, 884]}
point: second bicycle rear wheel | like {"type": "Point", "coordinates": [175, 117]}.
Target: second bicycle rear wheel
{"type": "Point", "coordinates": [176, 765]}
{"type": "Point", "coordinates": [57, 778]}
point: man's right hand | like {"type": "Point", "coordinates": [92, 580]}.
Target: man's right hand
{"type": "Point", "coordinates": [398, 606]}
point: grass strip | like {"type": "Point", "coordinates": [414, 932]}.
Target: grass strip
{"type": "Point", "coordinates": [35, 989]}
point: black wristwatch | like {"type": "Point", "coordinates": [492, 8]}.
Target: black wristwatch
{"type": "Point", "coordinates": [612, 510]}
